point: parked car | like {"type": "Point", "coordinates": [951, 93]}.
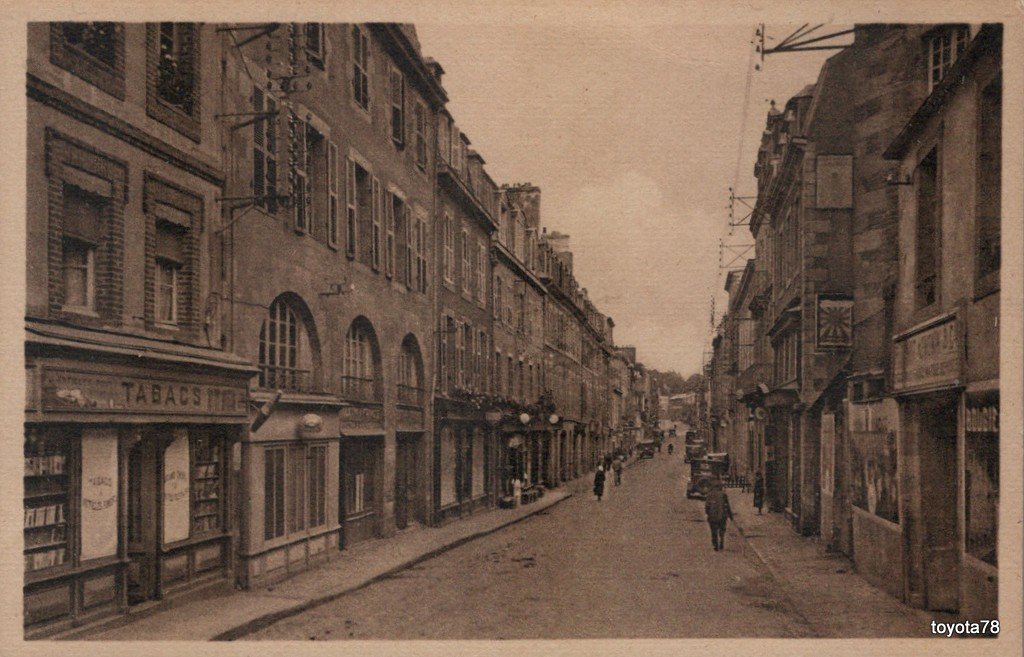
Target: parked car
{"type": "Point", "coordinates": [646, 451]}
{"type": "Point", "coordinates": [703, 471]}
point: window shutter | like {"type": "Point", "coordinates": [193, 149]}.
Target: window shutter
{"type": "Point", "coordinates": [407, 252]}
{"type": "Point", "coordinates": [351, 214]}
{"type": "Point", "coordinates": [389, 239]}
{"type": "Point", "coordinates": [375, 228]}
{"type": "Point", "coordinates": [332, 194]}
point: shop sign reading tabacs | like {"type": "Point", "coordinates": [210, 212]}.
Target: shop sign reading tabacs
{"type": "Point", "coordinates": [65, 390]}
{"type": "Point", "coordinates": [930, 358]}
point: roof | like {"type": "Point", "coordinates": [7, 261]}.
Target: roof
{"type": "Point", "coordinates": [988, 40]}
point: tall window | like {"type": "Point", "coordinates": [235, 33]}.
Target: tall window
{"type": "Point", "coordinates": [460, 355]}
{"type": "Point", "coordinates": [273, 493]}
{"type": "Point", "coordinates": [169, 261]}
{"type": "Point", "coordinates": [296, 485]}
{"type": "Point", "coordinates": [358, 368]}
{"type": "Point", "coordinates": [420, 116]}
{"type": "Point", "coordinates": [358, 205]}
{"type": "Point", "coordinates": [498, 301]}
{"type": "Point", "coordinates": [421, 253]}
{"type": "Point", "coordinates": [264, 151]}
{"type": "Point", "coordinates": [377, 232]}
{"type": "Point", "coordinates": [313, 34]}
{"type": "Point", "coordinates": [332, 195]}
{"type": "Point", "coordinates": [927, 243]}
{"type": "Point", "coordinates": [397, 106]}
{"type": "Point", "coordinates": [449, 248]}
{"type": "Point", "coordinates": [409, 384]}
{"type": "Point", "coordinates": [392, 210]}
{"type": "Point", "coordinates": [464, 248]}
{"type": "Point", "coordinates": [481, 272]}
{"type": "Point", "coordinates": [360, 67]}
{"type": "Point", "coordinates": [944, 47]}
{"type": "Point", "coordinates": [176, 74]}
{"type": "Point", "coordinates": [989, 189]}
{"type": "Point", "coordinates": [83, 221]}
{"type": "Point", "coordinates": [360, 476]}
{"type": "Point", "coordinates": [279, 355]}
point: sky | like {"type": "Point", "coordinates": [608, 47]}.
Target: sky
{"type": "Point", "coordinates": [632, 132]}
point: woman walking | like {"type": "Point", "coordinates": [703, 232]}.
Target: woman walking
{"type": "Point", "coordinates": [758, 492]}
{"type": "Point", "coordinates": [599, 482]}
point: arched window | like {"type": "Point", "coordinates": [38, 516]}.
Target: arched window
{"type": "Point", "coordinates": [285, 356]}
{"type": "Point", "coordinates": [358, 368]}
{"type": "Point", "coordinates": [410, 378]}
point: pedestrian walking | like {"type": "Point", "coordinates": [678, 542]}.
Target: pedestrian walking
{"type": "Point", "coordinates": [716, 507]}
{"type": "Point", "coordinates": [599, 482]}
{"type": "Point", "coordinates": [607, 462]}
{"type": "Point", "coordinates": [758, 492]}
{"type": "Point", "coordinates": [617, 467]}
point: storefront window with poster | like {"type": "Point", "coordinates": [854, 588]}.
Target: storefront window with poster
{"type": "Point", "coordinates": [981, 478]}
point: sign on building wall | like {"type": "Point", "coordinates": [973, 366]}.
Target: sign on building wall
{"type": "Point", "coordinates": [834, 182]}
{"type": "Point", "coordinates": [929, 358]}
{"type": "Point", "coordinates": [99, 493]}
{"type": "Point", "coordinates": [828, 452]}
{"type": "Point", "coordinates": [834, 322]}
{"type": "Point", "coordinates": [176, 488]}
{"type": "Point", "coordinates": [873, 482]}
{"type": "Point", "coordinates": [67, 390]}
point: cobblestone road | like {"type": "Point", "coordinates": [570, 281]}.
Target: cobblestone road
{"type": "Point", "coordinates": [637, 564]}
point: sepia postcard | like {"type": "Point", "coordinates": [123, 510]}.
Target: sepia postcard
{"type": "Point", "coordinates": [547, 328]}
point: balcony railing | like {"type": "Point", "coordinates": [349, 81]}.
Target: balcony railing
{"type": "Point", "coordinates": [290, 379]}
{"type": "Point", "coordinates": [354, 388]}
{"type": "Point", "coordinates": [410, 396]}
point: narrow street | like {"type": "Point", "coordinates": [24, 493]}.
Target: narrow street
{"type": "Point", "coordinates": [638, 564]}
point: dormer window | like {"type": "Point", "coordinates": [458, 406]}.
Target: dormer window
{"type": "Point", "coordinates": [943, 48]}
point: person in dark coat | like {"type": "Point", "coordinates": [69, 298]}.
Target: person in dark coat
{"type": "Point", "coordinates": [758, 492]}
{"type": "Point", "coordinates": [607, 462]}
{"type": "Point", "coordinates": [599, 482]}
{"type": "Point", "coordinates": [716, 506]}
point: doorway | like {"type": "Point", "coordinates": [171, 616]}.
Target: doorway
{"type": "Point", "coordinates": [143, 527]}
{"type": "Point", "coordinates": [941, 562]}
{"type": "Point", "coordinates": [408, 501]}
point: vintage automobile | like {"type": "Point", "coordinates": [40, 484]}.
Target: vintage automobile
{"type": "Point", "coordinates": [695, 447]}
{"type": "Point", "coordinates": [646, 450]}
{"type": "Point", "coordinates": [703, 471]}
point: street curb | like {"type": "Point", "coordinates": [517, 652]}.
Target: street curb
{"type": "Point", "coordinates": [266, 620]}
{"type": "Point", "coordinates": [783, 583]}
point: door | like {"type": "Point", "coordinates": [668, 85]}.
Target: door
{"type": "Point", "coordinates": [406, 481]}
{"type": "Point", "coordinates": [939, 506]}
{"type": "Point", "coordinates": [142, 525]}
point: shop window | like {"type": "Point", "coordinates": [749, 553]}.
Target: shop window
{"type": "Point", "coordinates": [360, 477]}
{"type": "Point", "coordinates": [360, 67]}
{"type": "Point", "coordinates": [317, 485]}
{"type": "Point", "coordinates": [927, 253]}
{"type": "Point", "coordinates": [264, 151]}
{"type": "Point", "coordinates": [296, 482]}
{"type": "Point", "coordinates": [981, 482]}
{"type": "Point", "coordinates": [464, 465]}
{"type": "Point", "coordinates": [273, 493]}
{"type": "Point", "coordinates": [47, 489]}
{"type": "Point", "coordinates": [207, 484]}
{"type": "Point", "coordinates": [448, 466]}
{"type": "Point", "coordinates": [989, 187]}
{"type": "Point", "coordinates": [477, 478]}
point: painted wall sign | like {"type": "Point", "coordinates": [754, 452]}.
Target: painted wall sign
{"type": "Point", "coordinates": [176, 488]}
{"type": "Point", "coordinates": [872, 453]}
{"type": "Point", "coordinates": [99, 493]}
{"type": "Point", "coordinates": [65, 390]}
{"type": "Point", "coordinates": [834, 182]}
{"type": "Point", "coordinates": [834, 322]}
{"type": "Point", "coordinates": [929, 358]}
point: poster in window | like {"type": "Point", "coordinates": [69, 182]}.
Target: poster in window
{"type": "Point", "coordinates": [176, 488]}
{"type": "Point", "coordinates": [834, 322]}
{"type": "Point", "coordinates": [99, 493]}
{"type": "Point", "coordinates": [873, 458]}
{"type": "Point", "coordinates": [981, 478]}
{"type": "Point", "coordinates": [834, 182]}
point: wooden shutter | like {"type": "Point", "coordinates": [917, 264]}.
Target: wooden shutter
{"type": "Point", "coordinates": [375, 227]}
{"type": "Point", "coordinates": [389, 239]}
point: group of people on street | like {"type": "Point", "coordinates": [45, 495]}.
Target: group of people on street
{"type": "Point", "coordinates": [613, 462]}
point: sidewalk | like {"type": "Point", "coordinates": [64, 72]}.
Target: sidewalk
{"type": "Point", "coordinates": [235, 614]}
{"type": "Point", "coordinates": [821, 587]}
